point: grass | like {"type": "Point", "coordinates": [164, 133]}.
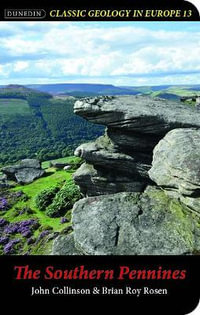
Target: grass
{"type": "Point", "coordinates": [41, 246]}
{"type": "Point", "coordinates": [10, 107]}
{"type": "Point", "coordinates": [179, 91]}
{"type": "Point", "coordinates": [31, 190]}
{"type": "Point", "coordinates": [68, 159]}
{"type": "Point", "coordinates": [52, 178]}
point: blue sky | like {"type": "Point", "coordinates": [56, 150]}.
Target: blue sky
{"type": "Point", "coordinates": [120, 53]}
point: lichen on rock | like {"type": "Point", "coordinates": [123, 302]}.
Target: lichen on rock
{"type": "Point", "coordinates": [133, 224]}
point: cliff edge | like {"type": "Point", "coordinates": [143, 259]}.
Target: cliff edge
{"type": "Point", "coordinates": [140, 181]}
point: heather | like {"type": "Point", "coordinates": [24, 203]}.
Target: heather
{"type": "Point", "coordinates": [3, 204]}
{"type": "Point", "coordinates": [25, 225]}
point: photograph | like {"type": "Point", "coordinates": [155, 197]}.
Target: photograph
{"type": "Point", "coordinates": [99, 138]}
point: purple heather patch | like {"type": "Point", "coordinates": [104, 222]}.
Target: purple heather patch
{"type": "Point", "coordinates": [43, 234]}
{"type": "Point", "coordinates": [4, 240]}
{"type": "Point", "coordinates": [30, 240]}
{"type": "Point", "coordinates": [63, 220]}
{"type": "Point", "coordinates": [22, 227]}
{"type": "Point", "coordinates": [19, 194]}
{"type": "Point", "coordinates": [9, 246]}
{"type": "Point", "coordinates": [3, 204]}
{"type": "Point", "coordinates": [3, 222]}
{"type": "Point", "coordinates": [26, 233]}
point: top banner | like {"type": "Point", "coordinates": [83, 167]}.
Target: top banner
{"type": "Point", "coordinates": [166, 10]}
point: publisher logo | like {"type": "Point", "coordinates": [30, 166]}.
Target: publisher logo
{"type": "Point", "coordinates": [24, 14]}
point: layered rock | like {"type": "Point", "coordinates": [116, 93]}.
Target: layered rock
{"type": "Point", "coordinates": [123, 212]}
{"type": "Point", "coordinates": [141, 114]}
{"type": "Point", "coordinates": [25, 172]}
{"type": "Point", "coordinates": [176, 165]}
{"type": "Point", "coordinates": [108, 170]}
{"type": "Point", "coordinates": [95, 182]}
{"type": "Point", "coordinates": [120, 160]}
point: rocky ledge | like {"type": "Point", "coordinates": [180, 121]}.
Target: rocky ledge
{"type": "Point", "coordinates": [120, 160]}
{"type": "Point", "coordinates": [146, 115]}
{"type": "Point", "coordinates": [25, 172]}
{"type": "Point", "coordinates": [140, 181]}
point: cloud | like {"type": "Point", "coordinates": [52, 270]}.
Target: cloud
{"type": "Point", "coordinates": [118, 53]}
{"type": "Point", "coordinates": [20, 66]}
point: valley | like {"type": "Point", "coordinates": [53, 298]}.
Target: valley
{"type": "Point", "coordinates": [38, 122]}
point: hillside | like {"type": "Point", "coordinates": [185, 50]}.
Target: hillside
{"type": "Point", "coordinates": [75, 89]}
{"type": "Point", "coordinates": [38, 120]}
{"type": "Point", "coordinates": [80, 90]}
{"type": "Point", "coordinates": [34, 124]}
{"type": "Point", "coordinates": [21, 92]}
{"type": "Point", "coordinates": [83, 89]}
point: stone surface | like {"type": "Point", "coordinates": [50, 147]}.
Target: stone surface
{"type": "Point", "coordinates": [59, 165]}
{"type": "Point", "coordinates": [138, 113]}
{"type": "Point", "coordinates": [135, 125]}
{"type": "Point", "coordinates": [131, 142]}
{"type": "Point", "coordinates": [67, 167]}
{"type": "Point", "coordinates": [103, 153]}
{"type": "Point", "coordinates": [135, 224]}
{"type": "Point", "coordinates": [28, 175]}
{"type": "Point", "coordinates": [193, 203]}
{"type": "Point", "coordinates": [123, 213]}
{"type": "Point", "coordinates": [30, 163]}
{"type": "Point", "coordinates": [3, 181]}
{"type": "Point", "coordinates": [94, 182]}
{"type": "Point", "coordinates": [176, 162]}
{"type": "Point", "coordinates": [24, 172]}
{"type": "Point", "coordinates": [64, 245]}
{"type": "Point", "coordinates": [109, 170]}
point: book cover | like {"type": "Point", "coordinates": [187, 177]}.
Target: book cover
{"type": "Point", "coordinates": [100, 153]}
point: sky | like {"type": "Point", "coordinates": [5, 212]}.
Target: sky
{"type": "Point", "coordinates": [119, 53]}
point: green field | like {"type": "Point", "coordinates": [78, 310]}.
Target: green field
{"type": "Point", "coordinates": [53, 178]}
{"type": "Point", "coordinates": [69, 160]}
{"type": "Point", "coordinates": [179, 91]}
{"type": "Point", "coordinates": [12, 107]}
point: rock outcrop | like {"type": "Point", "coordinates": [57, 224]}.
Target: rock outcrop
{"type": "Point", "coordinates": [134, 224]}
{"type": "Point", "coordinates": [149, 223]}
{"type": "Point", "coordinates": [25, 172]}
{"type": "Point", "coordinates": [176, 165]}
{"type": "Point", "coordinates": [4, 183]}
{"type": "Point", "coordinates": [120, 160]}
{"type": "Point", "coordinates": [134, 206]}
{"type": "Point", "coordinates": [109, 167]}
{"type": "Point", "coordinates": [141, 114]}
